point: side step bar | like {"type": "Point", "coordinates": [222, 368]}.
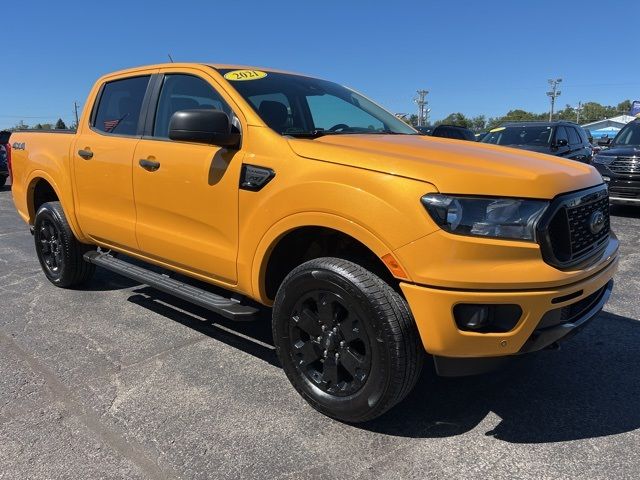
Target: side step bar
{"type": "Point", "coordinates": [227, 307]}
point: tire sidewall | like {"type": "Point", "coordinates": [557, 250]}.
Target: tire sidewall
{"type": "Point", "coordinates": [46, 211]}
{"type": "Point", "coordinates": [359, 404]}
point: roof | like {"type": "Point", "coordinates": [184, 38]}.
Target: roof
{"type": "Point", "coordinates": [540, 124]}
{"type": "Point", "coordinates": [618, 122]}
{"type": "Point", "coordinates": [216, 66]}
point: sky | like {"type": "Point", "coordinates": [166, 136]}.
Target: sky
{"type": "Point", "coordinates": [473, 57]}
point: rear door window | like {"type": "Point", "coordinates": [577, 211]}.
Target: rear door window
{"type": "Point", "coordinates": [119, 106]}
{"type": "Point", "coordinates": [561, 134]}
{"type": "Point", "coordinates": [574, 138]}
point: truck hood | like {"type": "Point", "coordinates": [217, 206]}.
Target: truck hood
{"type": "Point", "coordinates": [453, 166]}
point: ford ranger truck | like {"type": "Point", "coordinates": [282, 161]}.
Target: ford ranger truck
{"type": "Point", "coordinates": [371, 243]}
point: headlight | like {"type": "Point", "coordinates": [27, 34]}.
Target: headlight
{"type": "Point", "coordinates": [603, 159]}
{"type": "Point", "coordinates": [485, 217]}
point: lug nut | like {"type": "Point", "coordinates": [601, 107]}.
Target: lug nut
{"type": "Point", "coordinates": [319, 339]}
{"type": "Point", "coordinates": [325, 353]}
{"type": "Point", "coordinates": [335, 329]}
{"type": "Point", "coordinates": [323, 327]}
{"type": "Point", "coordinates": [343, 343]}
{"type": "Point", "coordinates": [337, 355]}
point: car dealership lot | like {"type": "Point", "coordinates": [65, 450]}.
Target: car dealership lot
{"type": "Point", "coordinates": [120, 381]}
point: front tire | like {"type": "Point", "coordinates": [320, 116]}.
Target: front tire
{"type": "Point", "coordinates": [346, 339]}
{"type": "Point", "coordinates": [59, 252]}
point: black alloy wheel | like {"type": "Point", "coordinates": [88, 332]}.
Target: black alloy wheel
{"type": "Point", "coordinates": [346, 339]}
{"type": "Point", "coordinates": [329, 342]}
{"type": "Point", "coordinates": [59, 252]}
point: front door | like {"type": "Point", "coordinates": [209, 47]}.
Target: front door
{"type": "Point", "coordinates": [186, 194]}
{"type": "Point", "coordinates": [102, 158]}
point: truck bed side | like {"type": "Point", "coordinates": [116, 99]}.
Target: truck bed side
{"type": "Point", "coordinates": [42, 166]}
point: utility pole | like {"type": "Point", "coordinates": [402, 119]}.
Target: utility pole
{"type": "Point", "coordinates": [553, 94]}
{"type": "Point", "coordinates": [422, 103]}
{"type": "Point", "coordinates": [75, 109]}
{"type": "Point", "coordinates": [170, 57]}
{"type": "Point", "coordinates": [578, 112]}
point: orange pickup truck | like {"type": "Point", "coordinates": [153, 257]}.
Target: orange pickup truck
{"type": "Point", "coordinates": [372, 244]}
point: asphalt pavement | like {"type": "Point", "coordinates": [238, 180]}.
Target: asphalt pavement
{"type": "Point", "coordinates": [119, 381]}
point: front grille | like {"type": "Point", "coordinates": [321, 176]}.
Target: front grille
{"type": "Point", "coordinates": [624, 193]}
{"type": "Point", "coordinates": [628, 165]}
{"type": "Point", "coordinates": [566, 234]}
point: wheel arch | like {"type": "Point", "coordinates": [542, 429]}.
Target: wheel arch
{"type": "Point", "coordinates": [42, 188]}
{"type": "Point", "coordinates": [347, 239]}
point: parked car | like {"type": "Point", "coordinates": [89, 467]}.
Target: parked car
{"type": "Point", "coordinates": [480, 136]}
{"type": "Point", "coordinates": [5, 152]}
{"type": "Point", "coordinates": [448, 131]}
{"type": "Point", "coordinates": [619, 165]}
{"type": "Point", "coordinates": [371, 244]}
{"type": "Point", "coordinates": [562, 139]}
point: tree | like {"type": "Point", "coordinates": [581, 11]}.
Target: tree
{"type": "Point", "coordinates": [38, 126]}
{"type": "Point", "coordinates": [478, 123]}
{"type": "Point", "coordinates": [60, 125]}
{"type": "Point", "coordinates": [457, 119]}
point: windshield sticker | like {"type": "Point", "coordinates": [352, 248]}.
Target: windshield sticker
{"type": "Point", "coordinates": [244, 75]}
{"type": "Point", "coordinates": [499, 129]}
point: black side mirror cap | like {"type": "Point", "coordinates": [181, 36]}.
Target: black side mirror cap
{"type": "Point", "coordinates": [209, 126]}
{"type": "Point", "coordinates": [561, 143]}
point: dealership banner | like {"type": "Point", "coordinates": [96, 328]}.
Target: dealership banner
{"type": "Point", "coordinates": [635, 109]}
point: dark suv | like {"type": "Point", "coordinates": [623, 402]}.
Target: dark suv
{"type": "Point", "coordinates": [619, 165]}
{"type": "Point", "coordinates": [562, 139]}
{"type": "Point", "coordinates": [448, 131]}
{"type": "Point", "coordinates": [4, 152]}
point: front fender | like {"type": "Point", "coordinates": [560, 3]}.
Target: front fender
{"type": "Point", "coordinates": [307, 219]}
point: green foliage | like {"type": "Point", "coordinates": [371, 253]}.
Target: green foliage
{"type": "Point", "coordinates": [60, 125]}
{"type": "Point", "coordinates": [591, 112]}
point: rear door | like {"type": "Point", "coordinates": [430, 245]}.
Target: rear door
{"type": "Point", "coordinates": [102, 158]}
{"type": "Point", "coordinates": [187, 207]}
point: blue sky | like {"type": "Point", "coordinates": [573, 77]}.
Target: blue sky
{"type": "Point", "coordinates": [474, 57]}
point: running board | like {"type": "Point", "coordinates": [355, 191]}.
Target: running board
{"type": "Point", "coordinates": [227, 307]}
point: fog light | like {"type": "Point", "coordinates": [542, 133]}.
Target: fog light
{"type": "Point", "coordinates": [606, 179]}
{"type": "Point", "coordinates": [486, 318]}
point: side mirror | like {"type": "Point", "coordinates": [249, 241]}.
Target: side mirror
{"type": "Point", "coordinates": [603, 142]}
{"type": "Point", "coordinates": [563, 142]}
{"type": "Point", "coordinates": [208, 126]}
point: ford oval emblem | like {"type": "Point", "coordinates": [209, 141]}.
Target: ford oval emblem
{"type": "Point", "coordinates": [596, 222]}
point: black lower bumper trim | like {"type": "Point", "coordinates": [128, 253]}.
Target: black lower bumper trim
{"type": "Point", "coordinates": [540, 339]}
{"type": "Point", "coordinates": [544, 337]}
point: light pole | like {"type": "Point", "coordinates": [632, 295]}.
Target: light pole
{"type": "Point", "coordinates": [422, 103]}
{"type": "Point", "coordinates": [553, 94]}
{"type": "Point", "coordinates": [578, 112]}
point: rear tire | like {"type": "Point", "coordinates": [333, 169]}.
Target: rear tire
{"type": "Point", "coordinates": [3, 180]}
{"type": "Point", "coordinates": [59, 252]}
{"type": "Point", "coordinates": [346, 339]}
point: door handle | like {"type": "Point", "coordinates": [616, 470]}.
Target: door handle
{"type": "Point", "coordinates": [86, 154]}
{"type": "Point", "coordinates": [149, 165]}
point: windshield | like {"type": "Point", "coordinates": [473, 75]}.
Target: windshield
{"type": "Point", "coordinates": [534, 135]}
{"type": "Point", "coordinates": [297, 105]}
{"type": "Point", "coordinates": [629, 135]}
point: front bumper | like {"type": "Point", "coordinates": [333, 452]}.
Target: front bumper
{"type": "Point", "coordinates": [623, 189]}
{"type": "Point", "coordinates": [432, 308]}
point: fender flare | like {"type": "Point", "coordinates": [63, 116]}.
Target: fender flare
{"type": "Point", "coordinates": [67, 204]}
{"type": "Point", "coordinates": [307, 219]}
